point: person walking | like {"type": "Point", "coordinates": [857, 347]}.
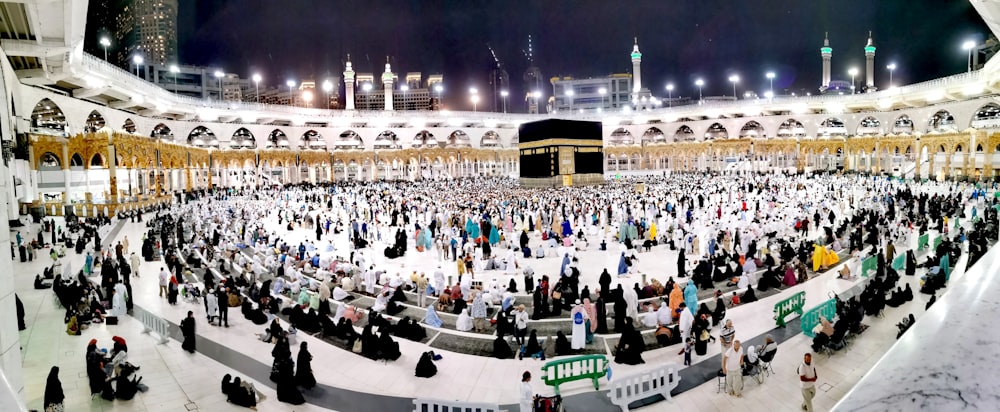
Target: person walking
{"type": "Point", "coordinates": [223, 303]}
{"type": "Point", "coordinates": [527, 403]}
{"type": "Point", "coordinates": [807, 379]}
{"type": "Point", "coordinates": [732, 362]}
{"type": "Point", "coordinates": [187, 329]}
{"type": "Point", "coordinates": [164, 280]}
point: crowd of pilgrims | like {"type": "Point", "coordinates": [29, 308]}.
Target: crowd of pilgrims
{"type": "Point", "coordinates": [746, 234]}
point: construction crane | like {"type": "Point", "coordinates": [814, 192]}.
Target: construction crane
{"type": "Point", "coordinates": [498, 77]}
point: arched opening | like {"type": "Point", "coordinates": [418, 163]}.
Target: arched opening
{"type": "Point", "coordinates": [942, 121]}
{"type": "Point", "coordinates": [349, 140]}
{"type": "Point", "coordinates": [50, 161]}
{"type": "Point", "coordinates": [387, 140]}
{"type": "Point", "coordinates": [242, 139]}
{"type": "Point", "coordinates": [987, 116]}
{"type": "Point", "coordinates": [490, 139]}
{"type": "Point", "coordinates": [95, 122]}
{"type": "Point", "coordinates": [832, 127]}
{"type": "Point", "coordinates": [716, 132]}
{"type": "Point", "coordinates": [653, 135]}
{"type": "Point", "coordinates": [48, 118]}
{"type": "Point", "coordinates": [869, 126]}
{"type": "Point", "coordinates": [129, 126]}
{"type": "Point", "coordinates": [312, 140]}
{"type": "Point", "coordinates": [277, 139]}
{"type": "Point", "coordinates": [161, 131]}
{"type": "Point", "coordinates": [76, 160]}
{"type": "Point", "coordinates": [97, 160]}
{"type": "Point", "coordinates": [201, 136]}
{"type": "Point", "coordinates": [791, 128]}
{"type": "Point", "coordinates": [684, 134]}
{"type": "Point", "coordinates": [752, 130]}
{"type": "Point", "coordinates": [424, 139]}
{"type": "Point", "coordinates": [902, 125]}
{"type": "Point", "coordinates": [620, 137]}
{"type": "Point", "coordinates": [458, 138]}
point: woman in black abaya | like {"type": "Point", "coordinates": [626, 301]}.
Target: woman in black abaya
{"type": "Point", "coordinates": [54, 395]}
{"type": "Point", "coordinates": [304, 374]}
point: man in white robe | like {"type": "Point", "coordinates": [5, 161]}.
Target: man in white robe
{"type": "Point", "coordinates": [118, 307]}
{"type": "Point", "coordinates": [632, 300]}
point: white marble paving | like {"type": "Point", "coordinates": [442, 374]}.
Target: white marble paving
{"type": "Point", "coordinates": [181, 378]}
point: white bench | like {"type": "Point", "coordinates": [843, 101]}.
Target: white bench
{"type": "Point", "coordinates": [152, 323]}
{"type": "Point", "coordinates": [439, 405]}
{"type": "Point", "coordinates": [631, 388]}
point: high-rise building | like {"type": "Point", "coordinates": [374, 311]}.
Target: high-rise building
{"type": "Point", "coordinates": [147, 28]}
{"type": "Point", "coordinates": [593, 94]}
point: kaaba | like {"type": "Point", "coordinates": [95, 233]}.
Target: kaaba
{"type": "Point", "coordinates": [557, 152]}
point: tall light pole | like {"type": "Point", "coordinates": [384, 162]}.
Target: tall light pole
{"type": "Point", "coordinates": [291, 98]}
{"type": "Point", "coordinates": [770, 77]}
{"type": "Point", "coordinates": [968, 46]}
{"type": "Point", "coordinates": [503, 95]}
{"type": "Point", "coordinates": [327, 88]}
{"type": "Point", "coordinates": [175, 70]}
{"type": "Point", "coordinates": [105, 42]}
{"type": "Point", "coordinates": [670, 95]}
{"type": "Point", "coordinates": [853, 72]}
{"type": "Point", "coordinates": [256, 85]}
{"type": "Point", "coordinates": [891, 67]}
{"type": "Point", "coordinates": [734, 79]}
{"type": "Point", "coordinates": [569, 95]}
{"type": "Point", "coordinates": [367, 88]}
{"type": "Point", "coordinates": [218, 76]}
{"type": "Point", "coordinates": [537, 94]}
{"type": "Point", "coordinates": [137, 60]}
{"type": "Point", "coordinates": [700, 83]}
{"type": "Point", "coordinates": [438, 88]}
{"type": "Point", "coordinates": [404, 88]}
{"type": "Point", "coordinates": [474, 97]}
{"type": "Point", "coordinates": [602, 91]}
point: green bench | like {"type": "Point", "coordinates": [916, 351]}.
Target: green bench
{"type": "Point", "coordinates": [788, 306]}
{"type": "Point", "coordinates": [577, 368]}
{"type": "Point", "coordinates": [922, 241]}
{"type": "Point", "coordinates": [869, 266]}
{"type": "Point", "coordinates": [899, 263]}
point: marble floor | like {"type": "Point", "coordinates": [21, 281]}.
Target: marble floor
{"type": "Point", "coordinates": [181, 381]}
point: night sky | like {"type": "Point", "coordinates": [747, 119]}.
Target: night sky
{"type": "Point", "coordinates": [680, 40]}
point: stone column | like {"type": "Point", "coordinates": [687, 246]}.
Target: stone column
{"type": "Point", "coordinates": [66, 175]}
{"type": "Point", "coordinates": [112, 173]}
{"type": "Point", "coordinates": [10, 344]}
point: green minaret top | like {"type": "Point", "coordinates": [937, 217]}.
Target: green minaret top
{"type": "Point", "coordinates": [826, 50]}
{"type": "Point", "coordinates": [635, 50]}
{"type": "Point", "coordinates": [870, 47]}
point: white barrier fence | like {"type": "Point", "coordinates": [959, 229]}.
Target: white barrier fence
{"type": "Point", "coordinates": [631, 388]}
{"type": "Point", "coordinates": [439, 405]}
{"type": "Point", "coordinates": [152, 323]}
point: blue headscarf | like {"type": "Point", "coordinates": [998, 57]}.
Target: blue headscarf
{"type": "Point", "coordinates": [691, 297]}
{"type": "Point", "coordinates": [432, 318]}
{"type": "Point", "coordinates": [564, 269]}
{"type": "Point", "coordinates": [622, 266]}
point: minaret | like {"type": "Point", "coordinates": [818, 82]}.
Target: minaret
{"type": "Point", "coordinates": [387, 83]}
{"type": "Point", "coordinates": [636, 71]}
{"type": "Point", "coordinates": [349, 85]}
{"type": "Point", "coordinates": [827, 52]}
{"type": "Point", "coordinates": [870, 64]}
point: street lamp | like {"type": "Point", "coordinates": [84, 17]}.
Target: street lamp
{"type": "Point", "coordinates": [475, 101]}
{"type": "Point", "coordinates": [853, 72]}
{"type": "Point", "coordinates": [891, 67]}
{"type": "Point", "coordinates": [105, 42]}
{"type": "Point", "coordinates": [137, 59]}
{"type": "Point", "coordinates": [734, 79]}
{"type": "Point", "coordinates": [307, 97]}
{"type": "Point", "coordinates": [569, 94]}
{"type": "Point", "coordinates": [291, 99]}
{"type": "Point", "coordinates": [174, 69]}
{"type": "Point", "coordinates": [327, 87]}
{"type": "Point", "coordinates": [439, 89]}
{"type": "Point", "coordinates": [670, 95]}
{"type": "Point", "coordinates": [700, 83]}
{"type": "Point", "coordinates": [537, 94]}
{"type": "Point", "coordinates": [218, 76]}
{"type": "Point", "coordinates": [770, 77]}
{"type": "Point", "coordinates": [367, 88]}
{"type": "Point", "coordinates": [602, 91]}
{"type": "Point", "coordinates": [404, 88]}
{"type": "Point", "coordinates": [256, 85]}
{"type": "Point", "coordinates": [968, 46]}
{"type": "Point", "coordinates": [503, 95]}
